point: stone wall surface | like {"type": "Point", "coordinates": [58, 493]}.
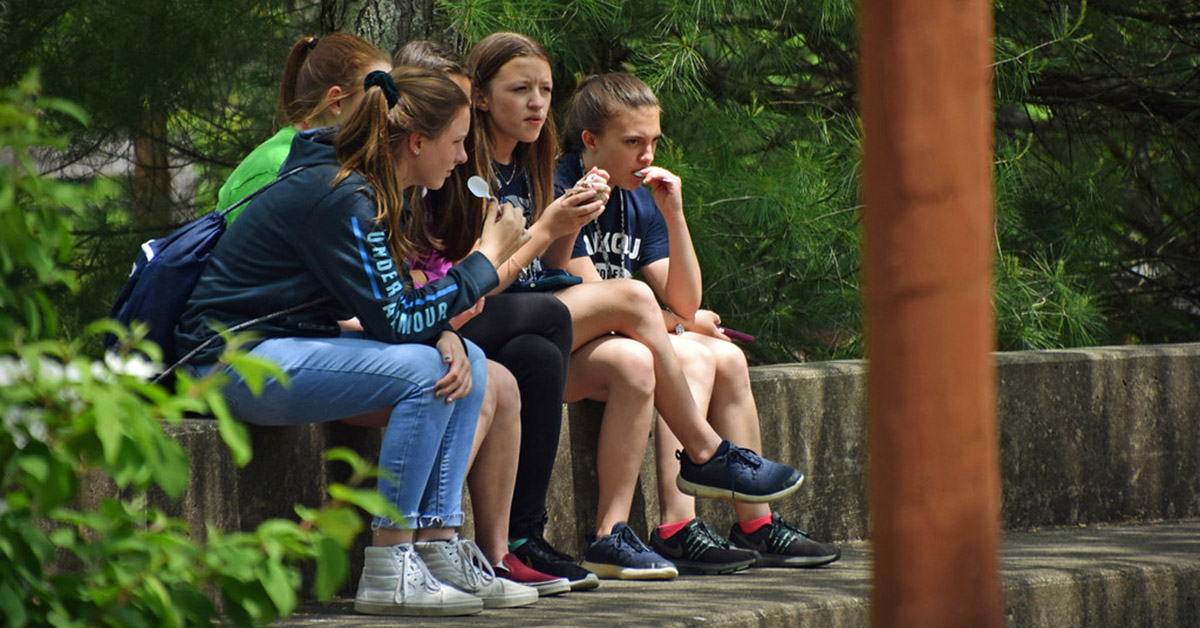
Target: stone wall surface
{"type": "Point", "coordinates": [1109, 434]}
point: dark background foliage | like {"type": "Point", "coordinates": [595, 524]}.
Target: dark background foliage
{"type": "Point", "coordinates": [1096, 187]}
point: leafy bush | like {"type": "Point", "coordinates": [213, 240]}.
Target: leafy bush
{"type": "Point", "coordinates": [65, 415]}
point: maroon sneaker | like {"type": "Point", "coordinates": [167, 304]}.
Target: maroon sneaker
{"type": "Point", "coordinates": [512, 568]}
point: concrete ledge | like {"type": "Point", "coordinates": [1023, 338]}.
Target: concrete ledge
{"type": "Point", "coordinates": [1102, 576]}
{"type": "Point", "coordinates": [1109, 434]}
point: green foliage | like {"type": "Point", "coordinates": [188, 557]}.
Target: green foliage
{"type": "Point", "coordinates": [69, 421]}
{"type": "Point", "coordinates": [1096, 189]}
{"type": "Point", "coordinates": [34, 241]}
{"type": "Point", "coordinates": [1096, 186]}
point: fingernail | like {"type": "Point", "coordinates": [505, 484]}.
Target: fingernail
{"type": "Point", "coordinates": [438, 395]}
{"type": "Point", "coordinates": [449, 399]}
{"type": "Point", "coordinates": [445, 358]}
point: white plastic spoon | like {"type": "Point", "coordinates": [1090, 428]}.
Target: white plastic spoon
{"type": "Point", "coordinates": [479, 187]}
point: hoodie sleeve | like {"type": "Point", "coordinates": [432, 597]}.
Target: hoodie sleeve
{"type": "Point", "coordinates": [349, 255]}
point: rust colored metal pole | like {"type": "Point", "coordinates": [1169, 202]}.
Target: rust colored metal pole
{"type": "Point", "coordinates": [925, 97]}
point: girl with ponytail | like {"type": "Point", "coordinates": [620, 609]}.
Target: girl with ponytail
{"type": "Point", "coordinates": [321, 86]}
{"type": "Point", "coordinates": [338, 231]}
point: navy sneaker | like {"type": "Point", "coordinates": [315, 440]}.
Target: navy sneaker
{"type": "Point", "coordinates": [697, 548]}
{"type": "Point", "coordinates": [737, 474]}
{"type": "Point", "coordinates": [536, 553]}
{"type": "Point", "coordinates": [781, 544]}
{"type": "Point", "coordinates": [623, 555]}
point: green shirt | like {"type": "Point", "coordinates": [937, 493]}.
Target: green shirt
{"type": "Point", "coordinates": [259, 168]}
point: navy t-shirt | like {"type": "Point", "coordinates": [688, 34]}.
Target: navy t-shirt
{"type": "Point", "coordinates": [617, 252]}
{"type": "Point", "coordinates": [512, 186]}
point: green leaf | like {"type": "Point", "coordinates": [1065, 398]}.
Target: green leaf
{"type": "Point", "coordinates": [369, 500]}
{"type": "Point", "coordinates": [359, 467]}
{"type": "Point", "coordinates": [232, 431]}
{"type": "Point", "coordinates": [333, 565]}
{"type": "Point", "coordinates": [109, 428]}
{"type": "Point", "coordinates": [14, 609]}
{"type": "Point", "coordinates": [341, 524]}
{"type": "Point", "coordinates": [277, 582]}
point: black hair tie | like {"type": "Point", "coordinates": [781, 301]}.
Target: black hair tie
{"type": "Point", "coordinates": [384, 81]}
{"type": "Point", "coordinates": [312, 43]}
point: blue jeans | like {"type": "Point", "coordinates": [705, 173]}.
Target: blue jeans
{"type": "Point", "coordinates": [427, 442]}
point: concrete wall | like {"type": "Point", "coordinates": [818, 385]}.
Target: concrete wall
{"type": "Point", "coordinates": [1093, 435]}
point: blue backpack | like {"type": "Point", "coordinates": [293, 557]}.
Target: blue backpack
{"type": "Point", "coordinates": [165, 273]}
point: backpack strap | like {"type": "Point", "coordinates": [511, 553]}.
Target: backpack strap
{"type": "Point", "coordinates": [260, 319]}
{"type": "Point", "coordinates": [236, 328]}
{"type": "Point", "coordinates": [264, 188]}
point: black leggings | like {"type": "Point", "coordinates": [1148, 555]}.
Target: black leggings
{"type": "Point", "coordinates": [530, 334]}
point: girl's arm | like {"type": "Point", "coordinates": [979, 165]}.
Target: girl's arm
{"type": "Point", "coordinates": [553, 234]}
{"type": "Point", "coordinates": [349, 255]}
{"type": "Point", "coordinates": [676, 279]}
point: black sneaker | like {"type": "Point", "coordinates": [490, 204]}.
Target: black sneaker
{"type": "Point", "coordinates": [697, 548]}
{"type": "Point", "coordinates": [623, 555]}
{"type": "Point", "coordinates": [737, 474]}
{"type": "Point", "coordinates": [780, 544]}
{"type": "Point", "coordinates": [538, 554]}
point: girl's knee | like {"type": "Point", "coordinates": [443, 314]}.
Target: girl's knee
{"type": "Point", "coordinates": [636, 294]}
{"type": "Point", "coordinates": [694, 356]}
{"type": "Point", "coordinates": [729, 359]}
{"type": "Point", "coordinates": [634, 365]}
{"type": "Point", "coordinates": [503, 386]}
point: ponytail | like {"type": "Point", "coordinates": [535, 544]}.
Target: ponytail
{"type": "Point", "coordinates": [316, 65]}
{"type": "Point", "coordinates": [291, 70]}
{"type": "Point", "coordinates": [370, 140]}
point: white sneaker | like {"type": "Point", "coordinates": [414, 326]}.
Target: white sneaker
{"type": "Point", "coordinates": [459, 563]}
{"type": "Point", "coordinates": [395, 581]}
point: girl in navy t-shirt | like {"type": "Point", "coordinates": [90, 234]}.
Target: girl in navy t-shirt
{"type": "Point", "coordinates": [613, 125]}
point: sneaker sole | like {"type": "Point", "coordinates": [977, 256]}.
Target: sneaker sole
{"type": "Point", "coordinates": [712, 492]}
{"type": "Point", "coordinates": [511, 601]}
{"type": "Point", "coordinates": [780, 560]}
{"type": "Point", "coordinates": [468, 607]}
{"type": "Point", "coordinates": [711, 569]}
{"type": "Point", "coordinates": [618, 572]}
{"type": "Point", "coordinates": [551, 588]}
{"type": "Point", "coordinates": [586, 584]}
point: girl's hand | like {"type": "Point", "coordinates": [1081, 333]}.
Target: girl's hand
{"type": "Point", "coordinates": [579, 204]}
{"type": "Point", "coordinates": [457, 382]}
{"type": "Point", "coordinates": [458, 321]}
{"type": "Point", "coordinates": [707, 322]}
{"type": "Point", "coordinates": [666, 188]}
{"type": "Point", "coordinates": [502, 234]}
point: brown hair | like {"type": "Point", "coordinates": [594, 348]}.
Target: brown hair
{"type": "Point", "coordinates": [369, 141]}
{"type": "Point", "coordinates": [597, 99]}
{"type": "Point", "coordinates": [458, 217]}
{"type": "Point", "coordinates": [316, 64]}
{"type": "Point", "coordinates": [430, 55]}
{"type": "Point", "coordinates": [537, 158]}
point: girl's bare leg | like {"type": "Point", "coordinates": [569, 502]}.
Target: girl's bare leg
{"type": "Point", "coordinates": [720, 380]}
{"type": "Point", "coordinates": [620, 372]}
{"type": "Point", "coordinates": [628, 307]}
{"type": "Point", "coordinates": [492, 472]}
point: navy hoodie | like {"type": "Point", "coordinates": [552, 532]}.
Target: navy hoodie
{"type": "Point", "coordinates": [306, 238]}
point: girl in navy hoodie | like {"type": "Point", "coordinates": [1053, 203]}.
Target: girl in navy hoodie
{"type": "Point", "coordinates": [340, 228]}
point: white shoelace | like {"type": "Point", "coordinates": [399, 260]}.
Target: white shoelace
{"type": "Point", "coordinates": [414, 573]}
{"type": "Point", "coordinates": [476, 569]}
